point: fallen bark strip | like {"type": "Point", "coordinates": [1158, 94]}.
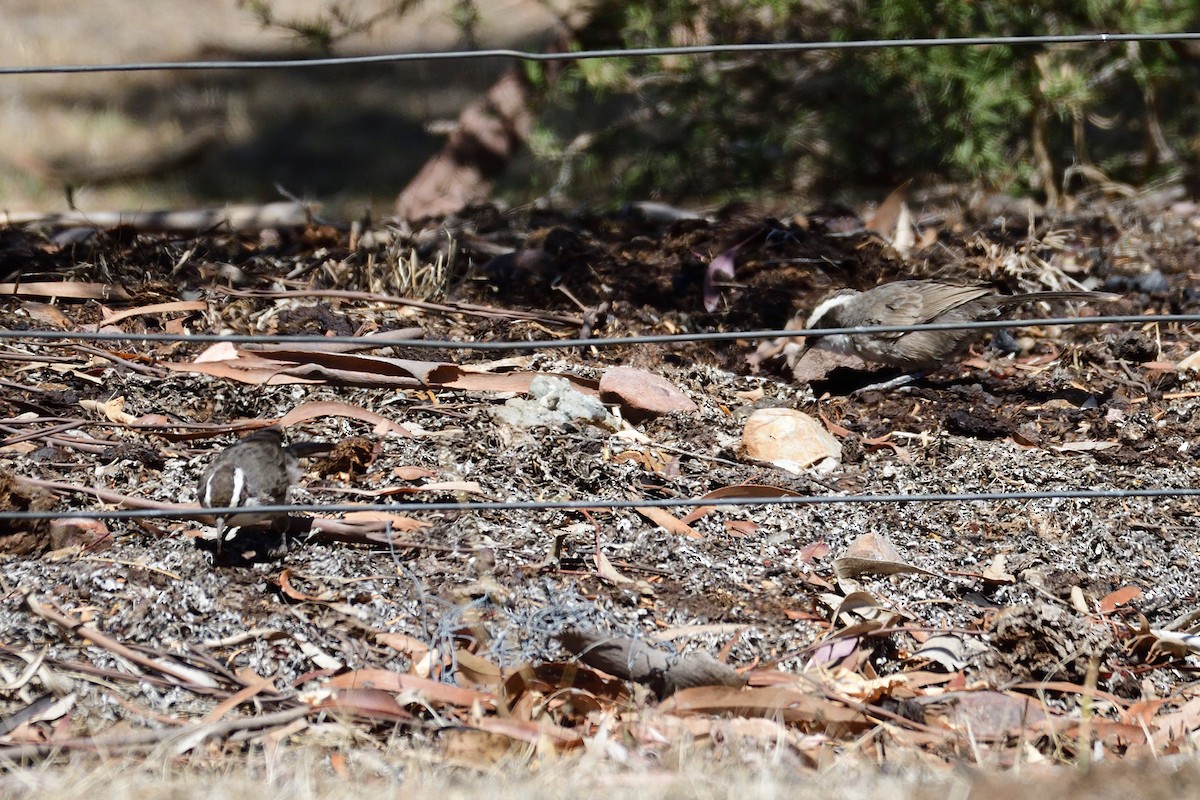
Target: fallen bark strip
{"type": "Point", "coordinates": [82, 668]}
{"type": "Point", "coordinates": [107, 496]}
{"type": "Point", "coordinates": [143, 739]}
{"type": "Point", "coordinates": [286, 214]}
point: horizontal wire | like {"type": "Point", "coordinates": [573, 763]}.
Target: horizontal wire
{"type": "Point", "coordinates": [642, 52]}
{"type": "Point", "coordinates": [553, 344]}
{"type": "Point", "coordinates": [678, 502]}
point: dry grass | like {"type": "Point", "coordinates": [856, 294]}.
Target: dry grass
{"type": "Point", "coordinates": [307, 774]}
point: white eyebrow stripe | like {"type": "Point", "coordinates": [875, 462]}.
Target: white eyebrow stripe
{"type": "Point", "coordinates": [239, 484]}
{"type": "Point", "coordinates": [824, 308]}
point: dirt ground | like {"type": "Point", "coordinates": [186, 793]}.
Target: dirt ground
{"type": "Point", "coordinates": [1026, 635]}
{"type": "Point", "coordinates": [352, 136]}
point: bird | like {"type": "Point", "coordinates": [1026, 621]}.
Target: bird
{"type": "Point", "coordinates": [257, 470]}
{"type": "Point", "coordinates": [916, 302]}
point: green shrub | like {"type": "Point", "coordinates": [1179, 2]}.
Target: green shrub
{"type": "Point", "coordinates": [1024, 117]}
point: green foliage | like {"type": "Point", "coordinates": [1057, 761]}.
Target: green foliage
{"type": "Point", "coordinates": [340, 19]}
{"type": "Point", "coordinates": [724, 126]}
{"type": "Point", "coordinates": [753, 125]}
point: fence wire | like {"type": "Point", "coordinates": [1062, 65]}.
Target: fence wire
{"type": "Point", "coordinates": [642, 52]}
{"type": "Point", "coordinates": [600, 503]}
{"type": "Point", "coordinates": [559, 344]}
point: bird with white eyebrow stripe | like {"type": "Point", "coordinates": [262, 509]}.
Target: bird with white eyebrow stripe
{"type": "Point", "coordinates": [915, 302]}
{"type": "Point", "coordinates": [255, 471]}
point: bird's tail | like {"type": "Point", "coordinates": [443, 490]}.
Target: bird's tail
{"type": "Point", "coordinates": [309, 449]}
{"type": "Point", "coordinates": [1034, 297]}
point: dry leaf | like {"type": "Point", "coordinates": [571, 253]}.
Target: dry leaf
{"type": "Point", "coordinates": [1083, 447]}
{"type": "Point", "coordinates": [369, 703]}
{"type": "Point", "coordinates": [410, 646]}
{"type": "Point", "coordinates": [1191, 363]}
{"type": "Point", "coordinates": [784, 703]}
{"type": "Point", "coordinates": [836, 652]}
{"type": "Point", "coordinates": [722, 268]}
{"type": "Point", "coordinates": [887, 216]}
{"type": "Point", "coordinates": [606, 571]}
{"type": "Point", "coordinates": [398, 523]}
{"type": "Point", "coordinates": [668, 522]}
{"type": "Point", "coordinates": [478, 671]}
{"type": "Point", "coordinates": [156, 308]}
{"type": "Point", "coordinates": [47, 314]}
{"type": "Point", "coordinates": [994, 572]}
{"type": "Point", "coordinates": [946, 649]}
{"type": "Point", "coordinates": [431, 691]}
{"type": "Point", "coordinates": [752, 490]}
{"type": "Point", "coordinates": [278, 366]}
{"type": "Point", "coordinates": [1120, 597]}
{"type": "Point", "coordinates": [329, 408]}
{"type": "Point", "coordinates": [873, 554]}
{"type": "Point", "coordinates": [986, 716]}
{"type": "Point", "coordinates": [740, 527]}
{"type": "Point", "coordinates": [634, 659]}
{"type": "Point", "coordinates": [904, 237]}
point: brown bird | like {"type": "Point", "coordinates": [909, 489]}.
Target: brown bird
{"type": "Point", "coordinates": [916, 303]}
{"type": "Point", "coordinates": [256, 471]}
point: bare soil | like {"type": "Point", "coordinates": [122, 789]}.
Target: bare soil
{"type": "Point", "coordinates": [1047, 602]}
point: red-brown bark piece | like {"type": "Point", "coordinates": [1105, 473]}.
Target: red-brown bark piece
{"type": "Point", "coordinates": [642, 394]}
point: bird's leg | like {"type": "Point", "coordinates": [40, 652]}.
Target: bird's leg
{"type": "Point", "coordinates": [898, 382]}
{"type": "Point", "coordinates": [280, 526]}
{"type": "Point", "coordinates": [220, 537]}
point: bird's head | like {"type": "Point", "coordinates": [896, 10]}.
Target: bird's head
{"type": "Point", "coordinates": [830, 313]}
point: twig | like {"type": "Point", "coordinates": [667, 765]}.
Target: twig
{"type": "Point", "coordinates": [106, 495]}
{"type": "Point", "coordinates": [41, 433]}
{"type": "Point", "coordinates": [446, 308]}
{"type": "Point", "coordinates": [97, 672]}
{"type": "Point", "coordinates": [83, 445]}
{"type": "Point", "coordinates": [195, 733]}
{"type": "Point", "coordinates": [135, 565]}
{"type": "Point", "coordinates": [121, 361]}
{"type": "Point", "coordinates": [46, 612]}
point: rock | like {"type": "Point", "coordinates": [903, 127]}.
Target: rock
{"type": "Point", "coordinates": [815, 364]}
{"type": "Point", "coordinates": [788, 439]}
{"type": "Point", "coordinates": [552, 402]}
{"type": "Point", "coordinates": [642, 395]}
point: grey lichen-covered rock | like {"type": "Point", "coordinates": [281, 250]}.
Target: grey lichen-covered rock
{"type": "Point", "coordinates": [552, 402]}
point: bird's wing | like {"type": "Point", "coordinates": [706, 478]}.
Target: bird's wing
{"type": "Point", "coordinates": [918, 302]}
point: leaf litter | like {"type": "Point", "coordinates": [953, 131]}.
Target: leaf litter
{"type": "Point", "coordinates": [978, 631]}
